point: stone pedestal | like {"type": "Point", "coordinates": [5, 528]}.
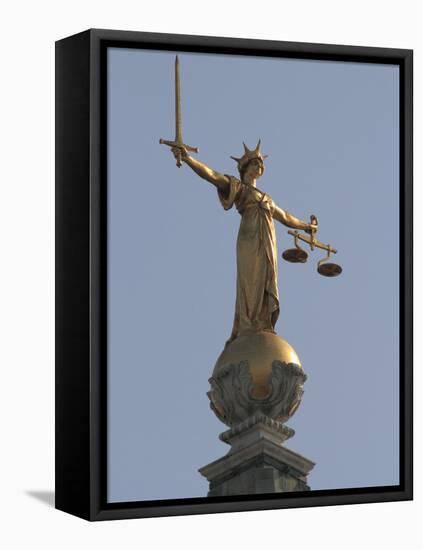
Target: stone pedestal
{"type": "Point", "coordinates": [256, 386]}
{"type": "Point", "coordinates": [257, 462]}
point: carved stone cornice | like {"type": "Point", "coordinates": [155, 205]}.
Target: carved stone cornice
{"type": "Point", "coordinates": [284, 432]}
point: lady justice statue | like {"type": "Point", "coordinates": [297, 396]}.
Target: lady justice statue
{"type": "Point", "coordinates": [257, 382]}
{"type": "Point", "coordinates": [257, 296]}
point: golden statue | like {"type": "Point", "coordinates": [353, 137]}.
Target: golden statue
{"type": "Point", "coordinates": [257, 296]}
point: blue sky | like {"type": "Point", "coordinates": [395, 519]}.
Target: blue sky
{"type": "Point", "coordinates": [331, 132]}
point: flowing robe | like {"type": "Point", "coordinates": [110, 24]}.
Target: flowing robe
{"type": "Point", "coordinates": [257, 297]}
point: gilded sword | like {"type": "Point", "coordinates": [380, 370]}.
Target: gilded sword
{"type": "Point", "coordinates": [178, 120]}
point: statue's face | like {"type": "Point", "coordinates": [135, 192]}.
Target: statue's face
{"type": "Point", "coordinates": [254, 168]}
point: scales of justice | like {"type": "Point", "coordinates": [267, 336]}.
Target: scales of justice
{"type": "Point", "coordinates": [257, 382]}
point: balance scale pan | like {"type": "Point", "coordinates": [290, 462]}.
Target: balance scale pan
{"type": "Point", "coordinates": [295, 255]}
{"type": "Point", "coordinates": [329, 269]}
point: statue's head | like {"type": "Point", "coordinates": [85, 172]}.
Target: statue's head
{"type": "Point", "coordinates": [251, 162]}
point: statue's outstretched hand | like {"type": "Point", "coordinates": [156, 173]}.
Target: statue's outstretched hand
{"type": "Point", "coordinates": [314, 224]}
{"type": "Point", "coordinates": [179, 152]}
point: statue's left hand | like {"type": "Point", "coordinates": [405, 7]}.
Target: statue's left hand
{"type": "Point", "coordinates": [314, 224]}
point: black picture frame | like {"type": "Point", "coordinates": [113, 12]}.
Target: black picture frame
{"type": "Point", "coordinates": [81, 275]}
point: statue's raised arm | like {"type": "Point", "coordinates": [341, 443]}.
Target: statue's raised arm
{"type": "Point", "coordinates": [216, 178]}
{"type": "Point", "coordinates": [289, 220]}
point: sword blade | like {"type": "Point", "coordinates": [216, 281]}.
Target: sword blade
{"type": "Point", "coordinates": [178, 116]}
{"type": "Point", "coordinates": [178, 123]}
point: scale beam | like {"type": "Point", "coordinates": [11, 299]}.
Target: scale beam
{"type": "Point", "coordinates": [313, 243]}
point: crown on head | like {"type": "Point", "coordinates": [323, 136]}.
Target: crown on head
{"type": "Point", "coordinates": [249, 154]}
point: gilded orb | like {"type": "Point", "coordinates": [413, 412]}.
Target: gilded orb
{"type": "Point", "coordinates": [256, 373]}
{"type": "Point", "coordinates": [260, 350]}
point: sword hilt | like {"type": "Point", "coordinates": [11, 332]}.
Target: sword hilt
{"type": "Point", "coordinates": [179, 145]}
